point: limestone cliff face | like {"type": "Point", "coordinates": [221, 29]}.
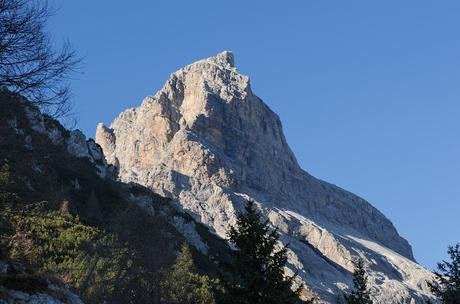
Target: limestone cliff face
{"type": "Point", "coordinates": [206, 141]}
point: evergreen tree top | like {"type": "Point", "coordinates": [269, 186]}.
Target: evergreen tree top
{"type": "Point", "coordinates": [360, 294]}
{"type": "Point", "coordinates": [447, 285]}
{"type": "Point", "coordinates": [256, 271]}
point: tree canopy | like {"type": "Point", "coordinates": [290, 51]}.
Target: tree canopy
{"type": "Point", "coordinates": [255, 273]}
{"type": "Point", "coordinates": [360, 294]}
{"type": "Point", "coordinates": [183, 285]}
{"type": "Point", "coordinates": [447, 285]}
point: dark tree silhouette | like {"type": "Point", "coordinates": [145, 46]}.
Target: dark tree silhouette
{"type": "Point", "coordinates": [447, 285]}
{"type": "Point", "coordinates": [360, 295]}
{"type": "Point", "coordinates": [255, 273]}
{"type": "Point", "coordinates": [183, 284]}
{"type": "Point", "coordinates": [30, 64]}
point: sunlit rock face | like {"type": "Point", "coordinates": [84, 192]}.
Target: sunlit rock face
{"type": "Point", "coordinates": [206, 141]}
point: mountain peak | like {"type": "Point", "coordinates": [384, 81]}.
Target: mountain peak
{"type": "Point", "coordinates": [207, 142]}
{"type": "Point", "coordinates": [224, 59]}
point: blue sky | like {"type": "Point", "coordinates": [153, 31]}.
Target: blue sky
{"type": "Point", "coordinates": [368, 91]}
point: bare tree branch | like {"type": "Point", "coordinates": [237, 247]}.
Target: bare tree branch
{"type": "Point", "coordinates": [30, 64]}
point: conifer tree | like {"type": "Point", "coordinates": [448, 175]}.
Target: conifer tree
{"type": "Point", "coordinates": [361, 294]}
{"type": "Point", "coordinates": [447, 285]}
{"type": "Point", "coordinates": [255, 273]}
{"type": "Point", "coordinates": [183, 285]}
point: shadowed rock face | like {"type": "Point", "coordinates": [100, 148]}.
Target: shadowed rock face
{"type": "Point", "coordinates": [209, 143]}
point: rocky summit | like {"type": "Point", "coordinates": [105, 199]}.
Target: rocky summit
{"type": "Point", "coordinates": [208, 143]}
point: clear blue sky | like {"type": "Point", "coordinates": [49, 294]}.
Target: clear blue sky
{"type": "Point", "coordinates": [368, 91]}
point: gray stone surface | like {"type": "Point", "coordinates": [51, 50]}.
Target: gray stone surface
{"type": "Point", "coordinates": [53, 294]}
{"type": "Point", "coordinates": [206, 141]}
{"type": "Point", "coordinates": [74, 141]}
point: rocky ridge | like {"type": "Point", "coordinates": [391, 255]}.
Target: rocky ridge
{"type": "Point", "coordinates": [206, 141]}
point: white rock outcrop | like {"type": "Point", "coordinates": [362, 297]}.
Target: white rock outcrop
{"type": "Point", "coordinates": [206, 141]}
{"type": "Point", "coordinates": [74, 141]}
